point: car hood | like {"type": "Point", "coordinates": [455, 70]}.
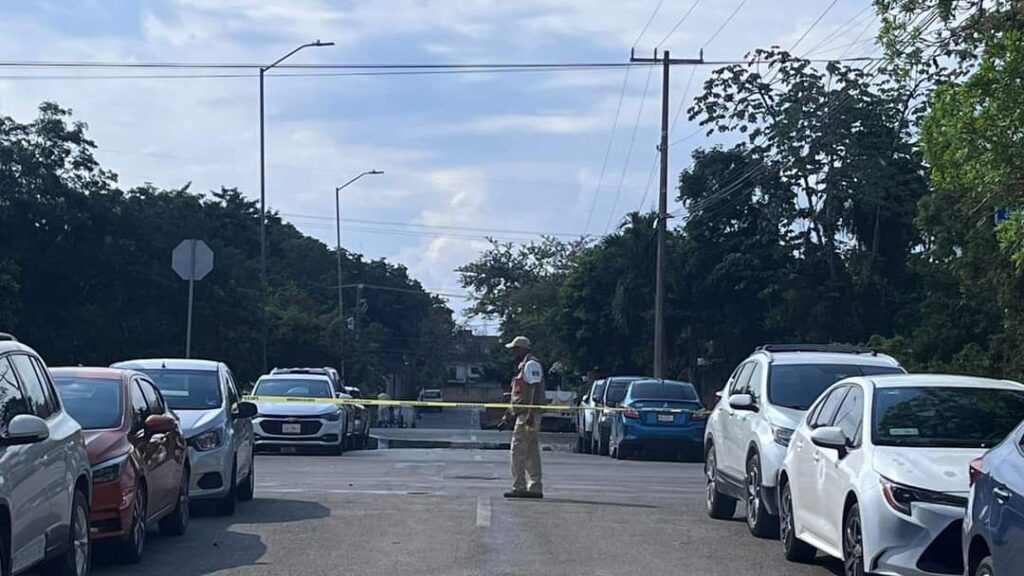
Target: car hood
{"type": "Point", "coordinates": [785, 417]}
{"type": "Point", "coordinates": [195, 421]}
{"type": "Point", "coordinates": [295, 408]}
{"type": "Point", "coordinates": [936, 469]}
{"type": "Point", "coordinates": [102, 445]}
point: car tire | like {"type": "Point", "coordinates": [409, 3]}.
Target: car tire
{"type": "Point", "coordinates": [5, 560]}
{"type": "Point", "coordinates": [176, 523]}
{"type": "Point", "coordinates": [247, 490]}
{"type": "Point", "coordinates": [76, 559]}
{"type": "Point", "coordinates": [587, 443]}
{"type": "Point", "coordinates": [985, 567]}
{"type": "Point", "coordinates": [130, 549]}
{"type": "Point", "coordinates": [853, 543]}
{"type": "Point", "coordinates": [621, 452]}
{"type": "Point", "coordinates": [720, 506]}
{"type": "Point", "coordinates": [225, 506]}
{"type": "Point", "coordinates": [794, 549]}
{"type": "Point", "coordinates": [760, 523]}
{"type": "Point", "coordinates": [602, 446]}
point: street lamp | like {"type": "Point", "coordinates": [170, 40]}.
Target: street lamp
{"type": "Point", "coordinates": [263, 194]}
{"type": "Point", "coordinates": [341, 309]}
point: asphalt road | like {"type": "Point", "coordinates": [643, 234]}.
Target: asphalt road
{"type": "Point", "coordinates": [426, 512]}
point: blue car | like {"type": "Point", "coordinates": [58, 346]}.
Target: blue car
{"type": "Point", "coordinates": [659, 416]}
{"type": "Point", "coordinates": [994, 528]}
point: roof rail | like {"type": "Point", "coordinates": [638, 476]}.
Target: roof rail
{"type": "Point", "coordinates": [5, 337]}
{"type": "Point", "coordinates": [833, 348]}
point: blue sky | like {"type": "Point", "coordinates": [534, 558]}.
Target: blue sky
{"type": "Point", "coordinates": [494, 151]}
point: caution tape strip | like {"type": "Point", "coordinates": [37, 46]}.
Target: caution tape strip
{"type": "Point", "coordinates": [477, 405]}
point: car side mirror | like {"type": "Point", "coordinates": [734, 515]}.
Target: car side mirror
{"type": "Point", "coordinates": [25, 429]}
{"type": "Point", "coordinates": [830, 437]}
{"type": "Point", "coordinates": [742, 402]}
{"type": "Point", "coordinates": [159, 424]}
{"type": "Point", "coordinates": [245, 410]}
{"type": "Point", "coordinates": [718, 396]}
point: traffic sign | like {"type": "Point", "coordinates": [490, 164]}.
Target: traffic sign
{"type": "Point", "coordinates": [192, 259]}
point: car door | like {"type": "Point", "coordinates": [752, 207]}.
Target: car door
{"type": "Point", "coordinates": [25, 482]}
{"type": "Point", "coordinates": [146, 454]}
{"type": "Point", "coordinates": [730, 451]}
{"type": "Point", "coordinates": [812, 473]}
{"type": "Point", "coordinates": [164, 472]}
{"type": "Point", "coordinates": [746, 421]}
{"type": "Point", "coordinates": [839, 471]}
{"type": "Point", "coordinates": [1007, 513]}
{"type": "Point", "coordinates": [242, 428]}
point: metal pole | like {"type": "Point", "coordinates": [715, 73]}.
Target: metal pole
{"type": "Point", "coordinates": [263, 232]}
{"type": "Point", "coordinates": [341, 307]}
{"type": "Point", "coordinates": [659, 298]}
{"type": "Point", "coordinates": [191, 295]}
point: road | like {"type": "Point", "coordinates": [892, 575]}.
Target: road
{"type": "Point", "coordinates": [419, 512]}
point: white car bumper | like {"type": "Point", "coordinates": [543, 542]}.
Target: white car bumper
{"type": "Point", "coordinates": [211, 471]}
{"type": "Point", "coordinates": [927, 543]}
{"type": "Point", "coordinates": [314, 432]}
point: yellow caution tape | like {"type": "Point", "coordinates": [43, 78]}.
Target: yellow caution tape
{"type": "Point", "coordinates": [477, 405]}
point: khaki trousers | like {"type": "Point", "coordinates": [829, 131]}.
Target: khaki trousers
{"type": "Point", "coordinates": [526, 454]}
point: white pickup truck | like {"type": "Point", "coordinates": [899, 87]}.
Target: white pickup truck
{"type": "Point", "coordinates": [560, 420]}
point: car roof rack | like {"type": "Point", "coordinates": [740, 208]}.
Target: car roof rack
{"type": "Point", "coordinates": [830, 348]}
{"type": "Point", "coordinates": [5, 337]}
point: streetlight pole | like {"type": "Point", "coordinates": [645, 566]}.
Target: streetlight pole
{"type": "Point", "coordinates": [341, 309]}
{"type": "Point", "coordinates": [263, 196]}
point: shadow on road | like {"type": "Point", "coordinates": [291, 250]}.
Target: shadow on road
{"type": "Point", "coordinates": [548, 500]}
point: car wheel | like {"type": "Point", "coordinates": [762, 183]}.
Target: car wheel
{"type": "Point", "coordinates": [985, 567]}
{"type": "Point", "coordinates": [587, 443]}
{"type": "Point", "coordinates": [248, 489]}
{"type": "Point", "coordinates": [75, 560]}
{"type": "Point", "coordinates": [176, 523]}
{"type": "Point", "coordinates": [793, 548]}
{"type": "Point", "coordinates": [759, 521]}
{"type": "Point", "coordinates": [226, 506]}
{"type": "Point", "coordinates": [130, 549]}
{"type": "Point", "coordinates": [5, 561]}
{"type": "Point", "coordinates": [853, 543]}
{"type": "Point", "coordinates": [720, 506]}
{"type": "Point", "coordinates": [621, 452]}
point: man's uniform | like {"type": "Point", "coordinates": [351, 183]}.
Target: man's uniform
{"type": "Point", "coordinates": [527, 390]}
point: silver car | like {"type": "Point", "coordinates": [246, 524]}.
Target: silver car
{"type": "Point", "coordinates": [45, 479]}
{"type": "Point", "coordinates": [216, 423]}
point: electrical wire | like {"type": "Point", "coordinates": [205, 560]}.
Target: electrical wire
{"type": "Point", "coordinates": [724, 24]}
{"type": "Point", "coordinates": [431, 226]}
{"type": "Point", "coordinates": [629, 151]}
{"type": "Point", "coordinates": [678, 24]}
{"type": "Point", "coordinates": [649, 21]}
{"type": "Point", "coordinates": [841, 30]}
{"type": "Point", "coordinates": [814, 25]}
{"type": "Point", "coordinates": [607, 153]}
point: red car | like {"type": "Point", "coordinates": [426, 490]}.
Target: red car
{"type": "Point", "coordinates": [137, 452]}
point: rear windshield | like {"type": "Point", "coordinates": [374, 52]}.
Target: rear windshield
{"type": "Point", "coordinates": [295, 387]}
{"type": "Point", "coordinates": [663, 391]}
{"type": "Point", "coordinates": [187, 389]}
{"type": "Point", "coordinates": [941, 417]}
{"type": "Point", "coordinates": [598, 390]}
{"type": "Point", "coordinates": [797, 386]}
{"type": "Point", "coordinates": [616, 389]}
{"type": "Point", "coordinates": [94, 402]}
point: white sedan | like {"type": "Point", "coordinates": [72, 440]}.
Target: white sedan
{"type": "Point", "coordinates": [877, 472]}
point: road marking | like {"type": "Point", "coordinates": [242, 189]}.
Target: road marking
{"type": "Point", "coordinates": [478, 458]}
{"type": "Point", "coordinates": [472, 437]}
{"type": "Point", "coordinates": [483, 511]}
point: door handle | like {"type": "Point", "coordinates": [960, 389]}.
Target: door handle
{"type": "Point", "coordinates": [816, 456]}
{"type": "Point", "coordinates": [1001, 494]}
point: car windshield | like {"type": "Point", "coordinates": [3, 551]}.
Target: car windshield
{"type": "Point", "coordinates": [797, 386]}
{"type": "Point", "coordinates": [295, 387]}
{"type": "Point", "coordinates": [431, 393]}
{"type": "Point", "coordinates": [187, 389]}
{"type": "Point", "coordinates": [680, 391]}
{"type": "Point", "coordinates": [945, 417]}
{"type": "Point", "coordinates": [94, 402]}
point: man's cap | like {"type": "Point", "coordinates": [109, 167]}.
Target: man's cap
{"type": "Point", "coordinates": [519, 342]}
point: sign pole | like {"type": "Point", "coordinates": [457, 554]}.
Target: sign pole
{"type": "Point", "coordinates": [191, 294]}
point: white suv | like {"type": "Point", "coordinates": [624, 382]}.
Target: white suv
{"type": "Point", "coordinates": [762, 403]}
{"type": "Point", "coordinates": [45, 479]}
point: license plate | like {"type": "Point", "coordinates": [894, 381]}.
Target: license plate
{"type": "Point", "coordinates": [288, 450]}
{"type": "Point", "coordinates": [291, 428]}
{"type": "Point", "coordinates": [666, 418]}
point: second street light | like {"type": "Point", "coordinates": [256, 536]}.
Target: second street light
{"type": "Point", "coordinates": [341, 308]}
{"type": "Point", "coordinates": [263, 195]}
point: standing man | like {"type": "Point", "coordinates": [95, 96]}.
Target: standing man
{"type": "Point", "coordinates": [527, 393]}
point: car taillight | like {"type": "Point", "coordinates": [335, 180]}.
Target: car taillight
{"type": "Point", "coordinates": [631, 412]}
{"type": "Point", "coordinates": [700, 415]}
{"type": "Point", "coordinates": [974, 471]}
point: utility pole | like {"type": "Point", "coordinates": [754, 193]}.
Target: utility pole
{"type": "Point", "coordinates": [659, 290]}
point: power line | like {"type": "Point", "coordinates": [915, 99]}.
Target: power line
{"type": "Point", "coordinates": [815, 24]}
{"type": "Point", "coordinates": [313, 66]}
{"type": "Point", "coordinates": [607, 152]}
{"type": "Point", "coordinates": [648, 25]}
{"type": "Point", "coordinates": [724, 24]}
{"type": "Point", "coordinates": [840, 31]}
{"type": "Point", "coordinates": [678, 24]}
{"type": "Point", "coordinates": [629, 151]}
{"type": "Point", "coordinates": [432, 226]}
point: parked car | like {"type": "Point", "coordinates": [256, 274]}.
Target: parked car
{"type": "Point", "coordinates": [749, 429]}
{"type": "Point", "coordinates": [659, 416]}
{"type": "Point", "coordinates": [430, 395]}
{"type": "Point", "coordinates": [290, 426]}
{"type": "Point", "coordinates": [45, 480]}
{"type": "Point", "coordinates": [587, 415]}
{"type": "Point", "coordinates": [877, 472]}
{"type": "Point", "coordinates": [340, 392]}
{"type": "Point", "coordinates": [994, 526]}
{"type": "Point", "coordinates": [216, 422]}
{"type": "Point", "coordinates": [138, 455]}
{"type": "Point", "coordinates": [361, 425]}
{"type": "Point", "coordinates": [613, 393]}
{"type": "Point", "coordinates": [559, 420]}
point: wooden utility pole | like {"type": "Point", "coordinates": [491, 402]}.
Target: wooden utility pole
{"type": "Point", "coordinates": [659, 290]}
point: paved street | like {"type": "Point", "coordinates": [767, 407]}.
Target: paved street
{"type": "Point", "coordinates": [416, 512]}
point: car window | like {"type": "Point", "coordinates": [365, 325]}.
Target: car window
{"type": "Point", "coordinates": [304, 388]}
{"type": "Point", "coordinates": [945, 416]}
{"type": "Point", "coordinates": [95, 403]}
{"type": "Point", "coordinates": [187, 389]}
{"type": "Point", "coordinates": [615, 391]}
{"type": "Point", "coordinates": [153, 399]}
{"type": "Point", "coordinates": [740, 384]}
{"type": "Point", "coordinates": [598, 392]}
{"type": "Point", "coordinates": [139, 406]}
{"type": "Point", "coordinates": [658, 390]}
{"type": "Point", "coordinates": [850, 415]}
{"type": "Point", "coordinates": [232, 390]}
{"type": "Point", "coordinates": [48, 384]}
{"type": "Point", "coordinates": [12, 401]}
{"type": "Point", "coordinates": [754, 384]}
{"type": "Point", "coordinates": [39, 401]}
{"type": "Point", "coordinates": [797, 386]}
{"type": "Point", "coordinates": [827, 411]}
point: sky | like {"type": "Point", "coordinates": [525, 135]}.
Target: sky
{"type": "Point", "coordinates": [465, 155]}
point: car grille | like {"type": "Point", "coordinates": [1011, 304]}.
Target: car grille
{"type": "Point", "coordinates": [945, 554]}
{"type": "Point", "coordinates": [308, 427]}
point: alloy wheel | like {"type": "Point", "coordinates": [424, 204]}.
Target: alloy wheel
{"type": "Point", "coordinates": [81, 541]}
{"type": "Point", "coordinates": [853, 545]}
{"type": "Point", "coordinates": [753, 492]}
{"type": "Point", "coordinates": [709, 472]}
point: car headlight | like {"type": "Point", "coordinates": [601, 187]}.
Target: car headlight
{"type": "Point", "coordinates": [332, 417]}
{"type": "Point", "coordinates": [900, 497]}
{"type": "Point", "coordinates": [782, 435]}
{"type": "Point", "coordinates": [207, 441]}
{"type": "Point", "coordinates": [109, 470]}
